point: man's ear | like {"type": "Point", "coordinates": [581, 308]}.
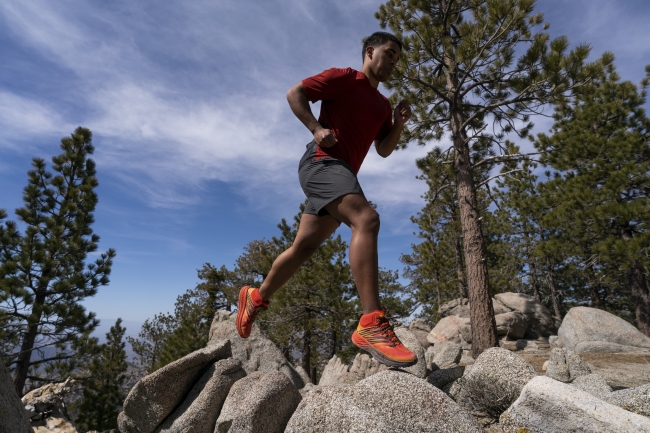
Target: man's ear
{"type": "Point", "coordinates": [369, 51]}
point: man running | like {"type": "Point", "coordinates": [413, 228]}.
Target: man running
{"type": "Point", "coordinates": [353, 115]}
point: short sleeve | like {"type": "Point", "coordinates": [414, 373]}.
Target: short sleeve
{"type": "Point", "coordinates": [387, 125]}
{"type": "Point", "coordinates": [329, 84]}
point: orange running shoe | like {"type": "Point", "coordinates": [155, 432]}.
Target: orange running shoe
{"type": "Point", "coordinates": [375, 335]}
{"type": "Point", "coordinates": [249, 306]}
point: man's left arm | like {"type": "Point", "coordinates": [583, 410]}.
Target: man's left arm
{"type": "Point", "coordinates": [401, 115]}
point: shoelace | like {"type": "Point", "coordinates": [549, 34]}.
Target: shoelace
{"type": "Point", "coordinates": [253, 310]}
{"type": "Point", "coordinates": [387, 329]}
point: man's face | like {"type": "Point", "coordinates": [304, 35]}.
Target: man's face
{"type": "Point", "coordinates": [383, 59]}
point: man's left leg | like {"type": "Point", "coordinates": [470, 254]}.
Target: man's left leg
{"type": "Point", "coordinates": [312, 232]}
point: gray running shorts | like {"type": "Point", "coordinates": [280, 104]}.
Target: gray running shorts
{"type": "Point", "coordinates": [325, 180]}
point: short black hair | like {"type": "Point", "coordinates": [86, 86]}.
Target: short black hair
{"type": "Point", "coordinates": [378, 39]}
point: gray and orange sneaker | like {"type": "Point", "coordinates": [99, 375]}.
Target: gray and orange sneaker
{"type": "Point", "coordinates": [375, 335]}
{"type": "Point", "coordinates": [249, 306]}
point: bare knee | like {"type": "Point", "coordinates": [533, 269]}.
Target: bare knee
{"type": "Point", "coordinates": [304, 250]}
{"type": "Point", "coordinates": [367, 221]}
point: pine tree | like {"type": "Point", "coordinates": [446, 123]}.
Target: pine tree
{"type": "Point", "coordinates": [102, 395]}
{"type": "Point", "coordinates": [600, 152]}
{"type": "Point", "coordinates": [151, 339]}
{"type": "Point", "coordinates": [459, 71]}
{"type": "Point", "coordinates": [43, 274]}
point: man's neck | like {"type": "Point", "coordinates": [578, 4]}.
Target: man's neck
{"type": "Point", "coordinates": [374, 82]}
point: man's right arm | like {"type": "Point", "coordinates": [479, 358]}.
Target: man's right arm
{"type": "Point", "coordinates": [299, 104]}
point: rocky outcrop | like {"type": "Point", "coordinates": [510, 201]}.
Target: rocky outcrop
{"type": "Point", "coordinates": [262, 402]}
{"type": "Point", "coordinates": [565, 365]}
{"type": "Point", "coordinates": [336, 373]}
{"type": "Point", "coordinates": [388, 402]}
{"type": "Point", "coordinates": [199, 410]}
{"type": "Point", "coordinates": [460, 308]}
{"type": "Point", "coordinates": [548, 406]}
{"type": "Point", "coordinates": [420, 329]}
{"type": "Point", "coordinates": [411, 342]}
{"type": "Point", "coordinates": [517, 316]}
{"type": "Point", "coordinates": [256, 353]}
{"type": "Point", "coordinates": [540, 321]}
{"type": "Point", "coordinates": [587, 329]}
{"type": "Point", "coordinates": [443, 355]}
{"type": "Point", "coordinates": [46, 409]}
{"type": "Point", "coordinates": [456, 307]}
{"type": "Point", "coordinates": [512, 325]}
{"type": "Point", "coordinates": [155, 396]}
{"type": "Point", "coordinates": [492, 383]}
{"type": "Point", "coordinates": [636, 400]}
{"type": "Point", "coordinates": [13, 418]}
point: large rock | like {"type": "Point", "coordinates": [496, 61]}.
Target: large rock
{"type": "Point", "coordinates": [443, 355]}
{"type": "Point", "coordinates": [443, 377]}
{"type": "Point", "coordinates": [411, 342]}
{"type": "Point", "coordinates": [13, 418]}
{"type": "Point", "coordinates": [594, 384]}
{"type": "Point", "coordinates": [200, 409]}
{"type": "Point", "coordinates": [512, 325]}
{"type": "Point", "coordinates": [587, 329]}
{"type": "Point", "coordinates": [565, 365]}
{"type": "Point", "coordinates": [46, 408]}
{"type": "Point", "coordinates": [336, 373]}
{"type": "Point", "coordinates": [635, 399]}
{"type": "Point", "coordinates": [548, 406]}
{"type": "Point", "coordinates": [447, 329]}
{"type": "Point", "coordinates": [262, 402]}
{"type": "Point", "coordinates": [256, 353]}
{"type": "Point", "coordinates": [493, 382]}
{"type": "Point", "coordinates": [155, 396]}
{"type": "Point", "coordinates": [420, 329]}
{"type": "Point", "coordinates": [540, 321]}
{"type": "Point", "coordinates": [387, 402]}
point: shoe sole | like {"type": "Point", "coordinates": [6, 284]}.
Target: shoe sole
{"type": "Point", "coordinates": [241, 305]}
{"type": "Point", "coordinates": [362, 344]}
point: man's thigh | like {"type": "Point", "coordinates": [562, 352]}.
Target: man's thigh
{"type": "Point", "coordinates": [350, 209]}
{"type": "Point", "coordinates": [314, 230]}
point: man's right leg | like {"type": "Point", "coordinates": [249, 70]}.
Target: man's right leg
{"type": "Point", "coordinates": [312, 232]}
{"type": "Point", "coordinates": [375, 333]}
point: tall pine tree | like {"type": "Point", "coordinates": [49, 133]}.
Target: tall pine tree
{"type": "Point", "coordinates": [43, 272]}
{"type": "Point", "coordinates": [600, 151]}
{"type": "Point", "coordinates": [460, 72]}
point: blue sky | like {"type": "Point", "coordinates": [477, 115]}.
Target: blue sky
{"type": "Point", "coordinates": [196, 147]}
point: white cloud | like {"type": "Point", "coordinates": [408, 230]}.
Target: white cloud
{"type": "Point", "coordinates": [22, 118]}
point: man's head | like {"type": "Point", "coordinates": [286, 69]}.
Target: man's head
{"type": "Point", "coordinates": [381, 52]}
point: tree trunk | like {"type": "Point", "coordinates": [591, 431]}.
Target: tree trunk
{"type": "Point", "coordinates": [481, 311]}
{"type": "Point", "coordinates": [535, 282]}
{"type": "Point", "coordinates": [306, 351]}
{"type": "Point", "coordinates": [551, 285]}
{"type": "Point", "coordinates": [333, 348]}
{"type": "Point", "coordinates": [462, 287]}
{"type": "Point", "coordinates": [27, 346]}
{"type": "Point", "coordinates": [640, 296]}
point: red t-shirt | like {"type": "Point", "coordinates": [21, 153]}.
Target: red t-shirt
{"type": "Point", "coordinates": [354, 110]}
